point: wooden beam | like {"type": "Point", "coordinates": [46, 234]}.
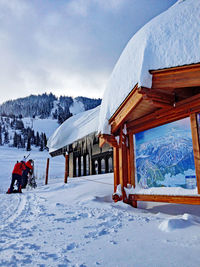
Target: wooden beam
{"type": "Point", "coordinates": [157, 96]}
{"type": "Point", "coordinates": [194, 200]}
{"type": "Point", "coordinates": [196, 147]}
{"type": "Point", "coordinates": [130, 103]}
{"type": "Point", "coordinates": [107, 138]}
{"type": "Point", "coordinates": [177, 77]}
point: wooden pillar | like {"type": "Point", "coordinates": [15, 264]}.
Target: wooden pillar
{"type": "Point", "coordinates": [116, 167]}
{"type": "Point", "coordinates": [131, 161]}
{"type": "Point", "coordinates": [47, 172]}
{"type": "Point", "coordinates": [79, 165]}
{"type": "Point", "coordinates": [196, 147]}
{"type": "Point", "coordinates": [66, 167]}
{"type": "Point", "coordinates": [84, 165]}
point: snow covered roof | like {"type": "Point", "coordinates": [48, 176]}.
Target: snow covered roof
{"type": "Point", "coordinates": [169, 40]}
{"type": "Point", "coordinates": [73, 129]}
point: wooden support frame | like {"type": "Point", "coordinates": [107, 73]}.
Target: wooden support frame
{"type": "Point", "coordinates": [196, 147]}
{"type": "Point", "coordinates": [131, 159]}
{"type": "Point", "coordinates": [193, 200]}
{"type": "Point", "coordinates": [116, 167]}
{"type": "Point", "coordinates": [147, 108]}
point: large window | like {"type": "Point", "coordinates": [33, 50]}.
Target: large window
{"type": "Point", "coordinates": [164, 156]}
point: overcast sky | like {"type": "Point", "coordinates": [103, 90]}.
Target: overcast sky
{"type": "Point", "coordinates": [67, 47]}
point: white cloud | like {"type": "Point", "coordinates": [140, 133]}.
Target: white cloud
{"type": "Point", "coordinates": [65, 48]}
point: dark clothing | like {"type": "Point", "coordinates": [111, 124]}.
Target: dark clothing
{"type": "Point", "coordinates": [25, 174]}
{"type": "Point", "coordinates": [18, 178]}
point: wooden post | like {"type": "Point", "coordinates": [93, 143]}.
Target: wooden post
{"type": "Point", "coordinates": [66, 167]}
{"type": "Point", "coordinates": [116, 167]}
{"type": "Point", "coordinates": [196, 147]}
{"type": "Point", "coordinates": [131, 160]}
{"type": "Point", "coordinates": [47, 172]}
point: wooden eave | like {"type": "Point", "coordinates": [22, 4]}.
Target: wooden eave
{"type": "Point", "coordinates": [176, 77]}
{"type": "Point", "coordinates": [171, 89]}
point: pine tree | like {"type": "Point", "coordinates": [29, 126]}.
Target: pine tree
{"type": "Point", "coordinates": [28, 147]}
{"type": "Point", "coordinates": [37, 139]}
{"type": "Point", "coordinates": [15, 140]}
{"type": "Point", "coordinates": [6, 138]}
{"type": "Point", "coordinates": [41, 142]}
{"type": "Point", "coordinates": [45, 140]}
{"type": "Point", "coordinates": [0, 136]}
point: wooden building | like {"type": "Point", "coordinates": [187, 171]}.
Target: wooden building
{"type": "Point", "coordinates": [79, 139]}
{"type": "Point", "coordinates": [174, 94]}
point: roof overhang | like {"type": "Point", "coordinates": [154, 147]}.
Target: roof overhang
{"type": "Point", "coordinates": [175, 92]}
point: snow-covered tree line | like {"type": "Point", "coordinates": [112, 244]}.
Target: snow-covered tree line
{"type": "Point", "coordinates": [13, 133]}
{"type": "Point", "coordinates": [45, 106]}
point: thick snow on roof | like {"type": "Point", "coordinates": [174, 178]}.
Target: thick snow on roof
{"type": "Point", "coordinates": [170, 39]}
{"type": "Point", "coordinates": [75, 128]}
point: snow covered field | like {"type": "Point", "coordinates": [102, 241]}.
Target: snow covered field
{"type": "Point", "coordinates": [77, 224]}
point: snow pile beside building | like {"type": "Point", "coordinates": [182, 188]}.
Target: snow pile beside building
{"type": "Point", "coordinates": [171, 39]}
{"type": "Point", "coordinates": [75, 128]}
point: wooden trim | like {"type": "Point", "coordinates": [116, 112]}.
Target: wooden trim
{"type": "Point", "coordinates": [194, 200]}
{"type": "Point", "coordinates": [123, 103]}
{"type": "Point", "coordinates": [177, 68]}
{"type": "Point", "coordinates": [196, 147]}
{"type": "Point", "coordinates": [125, 109]}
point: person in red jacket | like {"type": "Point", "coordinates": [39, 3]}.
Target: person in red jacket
{"type": "Point", "coordinates": [17, 176]}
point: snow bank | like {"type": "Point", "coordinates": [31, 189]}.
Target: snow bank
{"type": "Point", "coordinates": [75, 128]}
{"type": "Point", "coordinates": [170, 39]}
{"type": "Point", "coordinates": [179, 222]}
{"type": "Point", "coordinates": [171, 191]}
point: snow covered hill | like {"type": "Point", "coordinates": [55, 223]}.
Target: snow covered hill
{"type": "Point", "coordinates": [47, 106]}
{"type": "Point", "coordinates": [30, 121]}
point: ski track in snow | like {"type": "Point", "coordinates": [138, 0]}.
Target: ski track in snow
{"type": "Point", "coordinates": [23, 228]}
